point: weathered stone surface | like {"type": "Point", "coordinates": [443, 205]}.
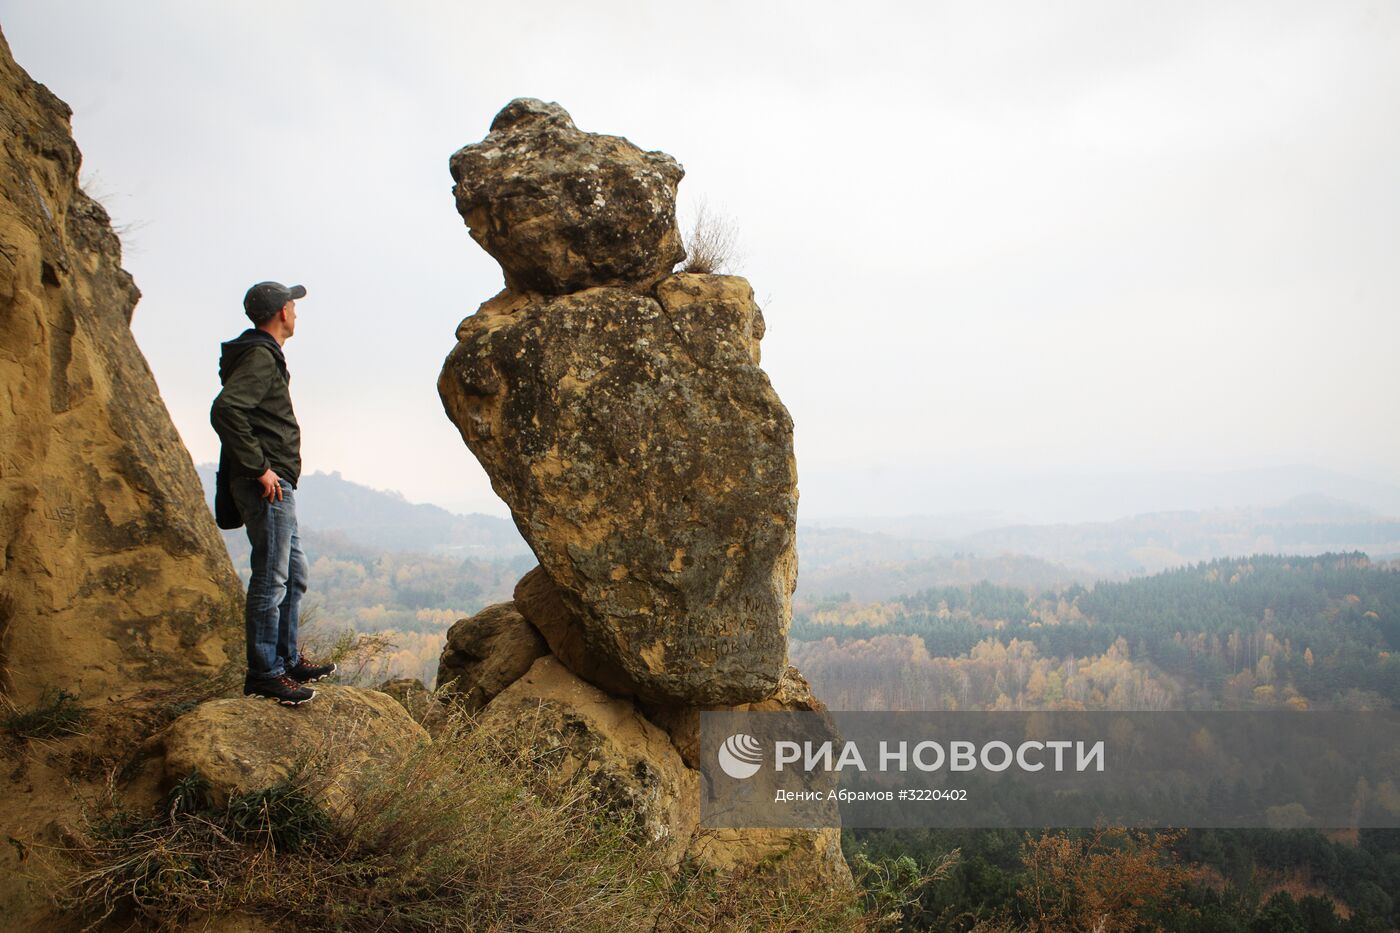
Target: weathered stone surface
{"type": "Point", "coordinates": [787, 853]}
{"type": "Point", "coordinates": [248, 743]}
{"type": "Point", "coordinates": [648, 462]}
{"type": "Point", "coordinates": [630, 764]}
{"type": "Point", "coordinates": [682, 723]}
{"type": "Point", "coordinates": [561, 209]}
{"type": "Point", "coordinates": [721, 305]}
{"type": "Point", "coordinates": [486, 653]}
{"type": "Point", "coordinates": [425, 708]}
{"type": "Point", "coordinates": [622, 415]}
{"type": "Point", "coordinates": [113, 578]}
{"type": "Point", "coordinates": [540, 601]}
{"type": "Point", "coordinates": [632, 767]}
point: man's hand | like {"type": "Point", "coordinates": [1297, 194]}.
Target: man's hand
{"type": "Point", "coordinates": [271, 489]}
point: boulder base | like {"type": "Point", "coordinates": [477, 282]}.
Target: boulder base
{"type": "Point", "coordinates": [486, 653]}
{"type": "Point", "coordinates": [629, 763]}
{"type": "Point", "coordinates": [248, 743]}
{"type": "Point", "coordinates": [682, 723]}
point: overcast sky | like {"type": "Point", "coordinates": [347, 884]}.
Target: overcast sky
{"type": "Point", "coordinates": [986, 236]}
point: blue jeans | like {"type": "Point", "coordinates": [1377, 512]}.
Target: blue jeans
{"type": "Point", "coordinates": [278, 581]}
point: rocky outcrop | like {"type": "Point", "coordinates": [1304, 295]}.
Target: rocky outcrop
{"type": "Point", "coordinates": [113, 578]}
{"type": "Point", "coordinates": [630, 765]}
{"type": "Point", "coordinates": [682, 723]}
{"type": "Point", "coordinates": [247, 744]}
{"type": "Point", "coordinates": [486, 653]}
{"type": "Point", "coordinates": [628, 762]}
{"type": "Point", "coordinates": [620, 411]}
{"type": "Point", "coordinates": [540, 601]}
{"type": "Point", "coordinates": [561, 209]}
{"type": "Point", "coordinates": [643, 453]}
{"type": "Point", "coordinates": [419, 701]}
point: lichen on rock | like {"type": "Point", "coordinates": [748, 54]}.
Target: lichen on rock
{"type": "Point", "coordinates": [247, 744]}
{"type": "Point", "coordinates": [648, 461]}
{"type": "Point", "coordinates": [561, 209]}
{"type": "Point", "coordinates": [486, 653]}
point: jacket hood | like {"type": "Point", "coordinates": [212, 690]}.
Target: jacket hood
{"type": "Point", "coordinates": [234, 350]}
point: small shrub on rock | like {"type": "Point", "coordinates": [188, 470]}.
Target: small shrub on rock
{"type": "Point", "coordinates": [58, 713]}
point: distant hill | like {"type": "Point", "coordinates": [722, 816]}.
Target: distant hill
{"type": "Point", "coordinates": [910, 553]}
{"type": "Point", "coordinates": [1161, 540]}
{"type": "Point", "coordinates": [881, 558]}
{"type": "Point", "coordinates": [385, 520]}
{"type": "Point", "coordinates": [943, 500]}
{"type": "Point", "coordinates": [866, 581]}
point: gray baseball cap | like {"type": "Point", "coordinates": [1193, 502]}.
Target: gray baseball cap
{"type": "Point", "coordinates": [265, 299]}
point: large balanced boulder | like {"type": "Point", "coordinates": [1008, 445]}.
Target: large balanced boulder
{"type": "Point", "coordinates": [113, 577]}
{"type": "Point", "coordinates": [247, 743]}
{"type": "Point", "coordinates": [486, 653]}
{"type": "Point", "coordinates": [561, 209]}
{"type": "Point", "coordinates": [648, 462]}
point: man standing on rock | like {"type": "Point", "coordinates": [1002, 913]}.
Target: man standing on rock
{"type": "Point", "coordinates": [259, 466]}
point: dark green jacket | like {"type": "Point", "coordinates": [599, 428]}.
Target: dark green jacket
{"type": "Point", "coordinates": [253, 414]}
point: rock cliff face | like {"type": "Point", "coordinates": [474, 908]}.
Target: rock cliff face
{"type": "Point", "coordinates": [620, 411]}
{"type": "Point", "coordinates": [113, 578]}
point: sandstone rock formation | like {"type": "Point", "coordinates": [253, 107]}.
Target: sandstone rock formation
{"type": "Point", "coordinates": [540, 601]}
{"type": "Point", "coordinates": [620, 411]}
{"type": "Point", "coordinates": [561, 209]}
{"type": "Point", "coordinates": [629, 762]}
{"type": "Point", "coordinates": [246, 743]}
{"type": "Point", "coordinates": [643, 453]}
{"type": "Point", "coordinates": [487, 653]}
{"type": "Point", "coordinates": [113, 578]}
{"type": "Point", "coordinates": [682, 723]}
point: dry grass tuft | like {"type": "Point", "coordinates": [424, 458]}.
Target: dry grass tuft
{"type": "Point", "coordinates": [58, 713]}
{"type": "Point", "coordinates": [363, 657]}
{"type": "Point", "coordinates": [712, 246]}
{"type": "Point", "coordinates": [468, 833]}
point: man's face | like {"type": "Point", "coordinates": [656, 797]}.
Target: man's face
{"type": "Point", "coordinates": [290, 311]}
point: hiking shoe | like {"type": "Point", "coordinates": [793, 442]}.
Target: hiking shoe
{"type": "Point", "coordinates": [304, 672]}
{"type": "Point", "coordinates": [282, 689]}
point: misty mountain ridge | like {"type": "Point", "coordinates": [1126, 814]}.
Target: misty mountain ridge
{"type": "Point", "coordinates": [374, 518]}
{"type": "Point", "coordinates": [939, 501]}
{"type": "Point", "coordinates": [879, 556]}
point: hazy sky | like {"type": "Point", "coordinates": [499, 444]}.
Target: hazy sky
{"type": "Point", "coordinates": [986, 236]}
